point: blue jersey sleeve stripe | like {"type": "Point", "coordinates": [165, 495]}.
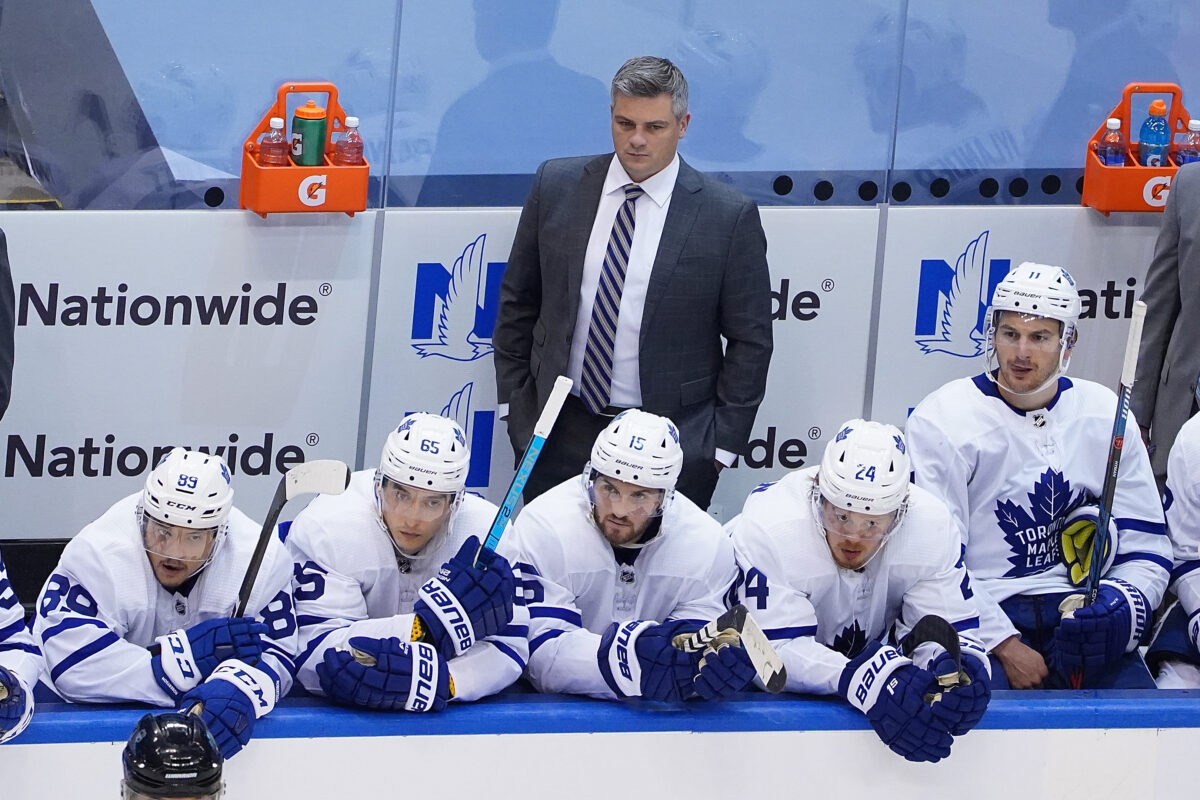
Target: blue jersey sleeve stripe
{"type": "Point", "coordinates": [1176, 574]}
{"type": "Point", "coordinates": [556, 612]}
{"type": "Point", "coordinates": [308, 620]}
{"type": "Point", "coordinates": [1143, 525]}
{"type": "Point", "coordinates": [791, 633]}
{"type": "Point", "coordinates": [968, 624]}
{"type": "Point", "coordinates": [313, 645]}
{"type": "Point", "coordinates": [284, 657]}
{"type": "Point", "coordinates": [69, 623]}
{"type": "Point", "coordinates": [10, 630]}
{"type": "Point", "coordinates": [541, 640]}
{"type": "Point", "coordinates": [508, 651]}
{"type": "Point", "coordinates": [87, 651]}
{"type": "Point", "coordinates": [266, 667]}
{"type": "Point", "coordinates": [515, 631]}
{"type": "Point", "coordinates": [22, 646]}
{"type": "Point", "coordinates": [1153, 558]}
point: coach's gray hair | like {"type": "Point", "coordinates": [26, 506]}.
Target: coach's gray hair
{"type": "Point", "coordinates": [650, 76]}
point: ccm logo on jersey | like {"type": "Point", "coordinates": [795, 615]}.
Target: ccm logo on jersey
{"type": "Point", "coordinates": [453, 618]}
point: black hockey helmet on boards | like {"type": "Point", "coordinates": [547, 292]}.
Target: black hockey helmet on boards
{"type": "Point", "coordinates": [171, 755]}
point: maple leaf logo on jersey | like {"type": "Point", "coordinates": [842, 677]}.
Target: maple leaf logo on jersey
{"type": "Point", "coordinates": [1033, 534]}
{"type": "Point", "coordinates": [851, 641]}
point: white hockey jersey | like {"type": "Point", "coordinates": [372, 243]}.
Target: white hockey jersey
{"type": "Point", "coordinates": [576, 587]}
{"type": "Point", "coordinates": [1011, 477]}
{"type": "Point", "coordinates": [18, 652]}
{"type": "Point", "coordinates": [1183, 517]}
{"type": "Point", "coordinates": [351, 581]}
{"type": "Point", "coordinates": [102, 607]}
{"type": "Point", "coordinates": [820, 615]}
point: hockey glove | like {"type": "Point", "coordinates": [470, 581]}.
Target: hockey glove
{"type": "Point", "coordinates": [1095, 637]}
{"type": "Point", "coordinates": [13, 706]}
{"type": "Point", "coordinates": [724, 671]}
{"type": "Point", "coordinates": [637, 659]}
{"type": "Point", "coordinates": [231, 701]}
{"type": "Point", "coordinates": [386, 674]}
{"type": "Point", "coordinates": [960, 706]}
{"type": "Point", "coordinates": [1077, 537]}
{"type": "Point", "coordinates": [465, 603]}
{"type": "Point", "coordinates": [187, 657]}
{"type": "Point", "coordinates": [890, 690]}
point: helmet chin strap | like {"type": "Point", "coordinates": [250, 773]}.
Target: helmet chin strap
{"type": "Point", "coordinates": [996, 380]}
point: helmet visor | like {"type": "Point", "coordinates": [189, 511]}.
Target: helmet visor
{"type": "Point", "coordinates": [412, 503]}
{"type": "Point", "coordinates": [192, 545]}
{"type": "Point", "coordinates": [624, 499]}
{"type": "Point", "coordinates": [128, 793]}
{"type": "Point", "coordinates": [853, 524]}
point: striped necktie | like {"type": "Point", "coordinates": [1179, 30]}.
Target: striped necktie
{"type": "Point", "coordinates": [595, 388]}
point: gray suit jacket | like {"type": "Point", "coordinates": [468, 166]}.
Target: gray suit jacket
{"type": "Point", "coordinates": [1169, 359]}
{"type": "Point", "coordinates": [709, 281]}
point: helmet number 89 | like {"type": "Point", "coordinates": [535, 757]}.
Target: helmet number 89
{"type": "Point", "coordinates": [186, 481]}
{"type": "Point", "coordinates": [429, 446]}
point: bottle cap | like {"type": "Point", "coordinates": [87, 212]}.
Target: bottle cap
{"type": "Point", "coordinates": [1194, 124]}
{"type": "Point", "coordinates": [310, 110]}
{"type": "Point", "coordinates": [277, 123]}
{"type": "Point", "coordinates": [352, 122]}
{"type": "Point", "coordinates": [1113, 124]}
{"type": "Point", "coordinates": [1158, 109]}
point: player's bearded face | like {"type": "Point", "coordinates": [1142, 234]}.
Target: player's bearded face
{"type": "Point", "coordinates": [413, 516]}
{"type": "Point", "coordinates": [176, 553]}
{"type": "Point", "coordinates": [1027, 350]}
{"type": "Point", "coordinates": [853, 537]}
{"type": "Point", "coordinates": [623, 511]}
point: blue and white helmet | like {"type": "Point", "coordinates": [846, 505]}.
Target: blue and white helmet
{"type": "Point", "coordinates": [427, 451]}
{"type": "Point", "coordinates": [865, 469]}
{"type": "Point", "coordinates": [188, 489]}
{"type": "Point", "coordinates": [640, 448]}
{"type": "Point", "coordinates": [1035, 290]}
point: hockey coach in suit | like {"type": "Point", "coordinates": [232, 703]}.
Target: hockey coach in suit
{"type": "Point", "coordinates": [626, 273]}
{"type": "Point", "coordinates": [1164, 391]}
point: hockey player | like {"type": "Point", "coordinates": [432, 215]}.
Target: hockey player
{"type": "Point", "coordinates": [381, 625]}
{"type": "Point", "coordinates": [617, 564]}
{"type": "Point", "coordinates": [1018, 454]}
{"type": "Point", "coordinates": [171, 755]}
{"type": "Point", "coordinates": [138, 607]}
{"type": "Point", "coordinates": [831, 557]}
{"type": "Point", "coordinates": [21, 663]}
{"type": "Point", "coordinates": [1173, 654]}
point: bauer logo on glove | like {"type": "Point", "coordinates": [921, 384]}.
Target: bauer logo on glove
{"type": "Point", "coordinates": [1078, 535]}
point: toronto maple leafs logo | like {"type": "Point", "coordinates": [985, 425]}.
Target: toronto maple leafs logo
{"type": "Point", "coordinates": [899, 442]}
{"type": "Point", "coordinates": [843, 433]}
{"type": "Point", "coordinates": [1032, 533]}
{"type": "Point", "coordinates": [455, 312]}
{"type": "Point", "coordinates": [851, 641]}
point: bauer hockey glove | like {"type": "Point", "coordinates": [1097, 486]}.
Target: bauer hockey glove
{"type": "Point", "coordinates": [15, 705]}
{"type": "Point", "coordinates": [463, 603]}
{"type": "Point", "coordinates": [890, 690]}
{"type": "Point", "coordinates": [233, 698]}
{"type": "Point", "coordinates": [958, 698]}
{"type": "Point", "coordinates": [1095, 637]}
{"type": "Point", "coordinates": [386, 675]}
{"type": "Point", "coordinates": [184, 658]}
{"type": "Point", "coordinates": [724, 671]}
{"type": "Point", "coordinates": [637, 659]}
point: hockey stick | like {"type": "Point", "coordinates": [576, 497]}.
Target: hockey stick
{"type": "Point", "coordinates": [326, 476]}
{"type": "Point", "coordinates": [932, 628]}
{"type": "Point", "coordinates": [541, 429]}
{"type": "Point", "coordinates": [1100, 538]}
{"type": "Point", "coordinates": [767, 664]}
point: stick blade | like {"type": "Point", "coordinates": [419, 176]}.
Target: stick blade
{"type": "Point", "coordinates": [766, 661]}
{"type": "Point", "coordinates": [324, 476]}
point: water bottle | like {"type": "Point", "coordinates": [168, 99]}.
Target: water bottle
{"type": "Point", "coordinates": [348, 150]}
{"type": "Point", "coordinates": [1155, 137]}
{"type": "Point", "coordinates": [273, 146]}
{"type": "Point", "coordinates": [308, 135]}
{"type": "Point", "coordinates": [1189, 148]}
{"type": "Point", "coordinates": [1111, 147]}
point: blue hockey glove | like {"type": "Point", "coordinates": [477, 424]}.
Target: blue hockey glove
{"type": "Point", "coordinates": [723, 672]}
{"type": "Point", "coordinates": [890, 690]}
{"type": "Point", "coordinates": [13, 706]}
{"type": "Point", "coordinates": [231, 701]}
{"type": "Point", "coordinates": [187, 657]}
{"type": "Point", "coordinates": [463, 603]}
{"type": "Point", "coordinates": [637, 659]}
{"type": "Point", "coordinates": [1095, 637]}
{"type": "Point", "coordinates": [379, 674]}
{"type": "Point", "coordinates": [960, 707]}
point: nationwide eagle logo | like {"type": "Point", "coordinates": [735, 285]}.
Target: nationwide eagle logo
{"type": "Point", "coordinates": [479, 427]}
{"type": "Point", "coordinates": [951, 301]}
{"type": "Point", "coordinates": [1033, 533]}
{"type": "Point", "coordinates": [455, 310]}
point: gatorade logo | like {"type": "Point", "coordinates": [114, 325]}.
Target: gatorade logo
{"type": "Point", "coordinates": [1156, 190]}
{"type": "Point", "coordinates": [312, 190]}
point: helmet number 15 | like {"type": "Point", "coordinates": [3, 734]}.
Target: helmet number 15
{"type": "Point", "coordinates": [637, 442]}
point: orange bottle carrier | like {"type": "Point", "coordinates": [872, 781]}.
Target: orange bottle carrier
{"type": "Point", "coordinates": [325, 187]}
{"type": "Point", "coordinates": [1133, 187]}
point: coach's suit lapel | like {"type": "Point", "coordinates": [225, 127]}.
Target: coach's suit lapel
{"type": "Point", "coordinates": [583, 217]}
{"type": "Point", "coordinates": [681, 217]}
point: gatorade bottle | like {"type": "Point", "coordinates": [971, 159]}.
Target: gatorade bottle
{"type": "Point", "coordinates": [1155, 137]}
{"type": "Point", "coordinates": [348, 150]}
{"type": "Point", "coordinates": [1111, 147]}
{"type": "Point", "coordinates": [273, 147]}
{"type": "Point", "coordinates": [308, 135]}
{"type": "Point", "coordinates": [1189, 148]}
